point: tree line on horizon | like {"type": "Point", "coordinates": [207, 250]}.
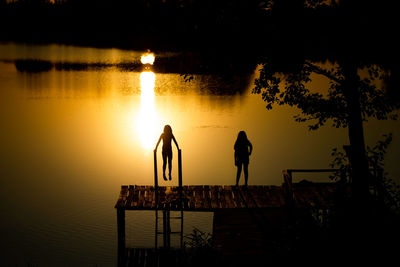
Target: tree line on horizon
{"type": "Point", "coordinates": [135, 3]}
{"type": "Point", "coordinates": [187, 24]}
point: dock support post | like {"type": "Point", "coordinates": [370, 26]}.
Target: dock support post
{"type": "Point", "coordinates": [155, 177]}
{"type": "Point", "coordinates": [180, 190]}
{"type": "Point", "coordinates": [168, 229]}
{"type": "Point", "coordinates": [180, 176]}
{"type": "Point", "coordinates": [288, 179]}
{"type": "Point", "coordinates": [290, 196]}
{"type": "Point", "coordinates": [181, 240]}
{"type": "Point", "coordinates": [121, 236]}
{"type": "Point", "coordinates": [156, 232]}
{"type": "Point", "coordinates": [164, 228]}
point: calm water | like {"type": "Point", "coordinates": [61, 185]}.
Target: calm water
{"type": "Point", "coordinates": [70, 139]}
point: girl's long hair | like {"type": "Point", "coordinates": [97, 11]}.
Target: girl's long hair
{"type": "Point", "coordinates": [241, 139]}
{"type": "Point", "coordinates": [167, 130]}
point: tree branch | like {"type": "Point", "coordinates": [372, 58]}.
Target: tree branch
{"type": "Point", "coordinates": [321, 71]}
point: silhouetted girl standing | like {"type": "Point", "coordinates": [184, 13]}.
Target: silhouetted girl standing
{"type": "Point", "coordinates": [167, 136]}
{"type": "Point", "coordinates": [243, 149]}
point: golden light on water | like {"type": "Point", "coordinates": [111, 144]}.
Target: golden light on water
{"type": "Point", "coordinates": [147, 82]}
{"type": "Point", "coordinates": [148, 121]}
{"type": "Point", "coordinates": [147, 58]}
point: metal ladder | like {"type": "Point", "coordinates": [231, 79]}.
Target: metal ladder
{"type": "Point", "coordinates": [166, 212]}
{"type": "Point", "coordinates": [166, 229]}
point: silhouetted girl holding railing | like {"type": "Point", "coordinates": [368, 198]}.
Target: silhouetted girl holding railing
{"type": "Point", "coordinates": [243, 149]}
{"type": "Point", "coordinates": [167, 136]}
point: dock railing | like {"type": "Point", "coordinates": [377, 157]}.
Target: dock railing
{"type": "Point", "coordinates": [288, 180]}
{"type": "Point", "coordinates": [374, 180]}
{"type": "Point", "coordinates": [166, 232]}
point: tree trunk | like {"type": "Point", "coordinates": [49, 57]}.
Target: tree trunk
{"type": "Point", "coordinates": [357, 156]}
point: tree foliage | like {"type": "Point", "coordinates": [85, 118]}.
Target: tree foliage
{"type": "Point", "coordinates": [350, 44]}
{"type": "Point", "coordinates": [293, 87]}
{"type": "Point", "coordinates": [388, 189]}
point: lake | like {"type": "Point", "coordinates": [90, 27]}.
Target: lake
{"type": "Point", "coordinates": [71, 138]}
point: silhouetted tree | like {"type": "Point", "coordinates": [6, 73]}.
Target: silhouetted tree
{"type": "Point", "coordinates": [343, 45]}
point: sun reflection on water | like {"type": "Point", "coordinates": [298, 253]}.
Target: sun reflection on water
{"type": "Point", "coordinates": [148, 121]}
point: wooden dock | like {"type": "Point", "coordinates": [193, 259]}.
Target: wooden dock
{"type": "Point", "coordinates": [200, 198]}
{"type": "Point", "coordinates": [245, 218]}
{"type": "Point", "coordinates": [215, 197]}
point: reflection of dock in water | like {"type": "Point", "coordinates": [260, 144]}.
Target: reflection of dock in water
{"type": "Point", "coordinates": [246, 221]}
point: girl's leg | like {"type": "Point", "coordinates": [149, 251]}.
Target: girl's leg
{"type": "Point", "coordinates": [239, 170]}
{"type": "Point", "coordinates": [170, 165]}
{"type": "Point", "coordinates": [246, 173]}
{"type": "Point", "coordinates": [164, 166]}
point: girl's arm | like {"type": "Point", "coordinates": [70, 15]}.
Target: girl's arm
{"type": "Point", "coordinates": [159, 139]}
{"type": "Point", "coordinates": [251, 148]}
{"type": "Point", "coordinates": [173, 138]}
{"type": "Point", "coordinates": [235, 158]}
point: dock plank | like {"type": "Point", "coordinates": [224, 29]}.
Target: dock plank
{"type": "Point", "coordinates": [207, 197]}
{"type": "Point", "coordinates": [130, 196]}
{"type": "Point", "coordinates": [254, 196]}
{"type": "Point", "coordinates": [140, 194]}
{"type": "Point", "coordinates": [236, 198]}
{"type": "Point", "coordinates": [221, 197]}
{"type": "Point", "coordinates": [122, 196]}
{"type": "Point", "coordinates": [215, 197]}
{"type": "Point", "coordinates": [228, 197]}
{"type": "Point", "coordinates": [135, 196]}
{"type": "Point", "coordinates": [191, 197]}
{"type": "Point", "coordinates": [197, 197]}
